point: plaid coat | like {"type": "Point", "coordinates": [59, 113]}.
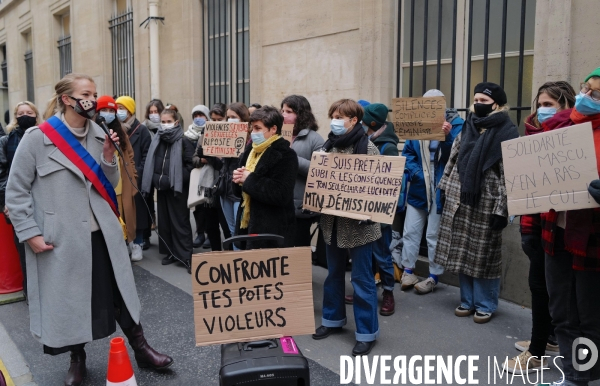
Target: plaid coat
{"type": "Point", "coordinates": [466, 243]}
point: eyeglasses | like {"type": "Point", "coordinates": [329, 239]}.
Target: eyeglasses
{"type": "Point", "coordinates": [585, 88]}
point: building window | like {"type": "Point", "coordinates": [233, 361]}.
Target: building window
{"type": "Point", "coordinates": [463, 42]}
{"type": "Point", "coordinates": [4, 68]}
{"type": "Point", "coordinates": [227, 44]}
{"type": "Point", "coordinates": [29, 68]}
{"type": "Point", "coordinates": [64, 46]}
{"type": "Point", "coordinates": [121, 30]}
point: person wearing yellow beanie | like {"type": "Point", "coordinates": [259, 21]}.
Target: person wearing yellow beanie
{"type": "Point", "coordinates": [126, 108]}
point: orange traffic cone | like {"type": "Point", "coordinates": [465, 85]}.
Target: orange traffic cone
{"type": "Point", "coordinates": [119, 371]}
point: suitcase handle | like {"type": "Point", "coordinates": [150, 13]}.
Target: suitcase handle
{"type": "Point", "coordinates": [259, 343]}
{"type": "Point", "coordinates": [264, 236]}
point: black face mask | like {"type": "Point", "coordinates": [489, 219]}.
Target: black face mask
{"type": "Point", "coordinates": [85, 108]}
{"type": "Point", "coordinates": [25, 121]}
{"type": "Point", "coordinates": [483, 109]}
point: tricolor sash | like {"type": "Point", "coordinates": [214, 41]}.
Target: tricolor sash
{"type": "Point", "coordinates": [65, 141]}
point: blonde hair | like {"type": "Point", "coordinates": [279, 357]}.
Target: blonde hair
{"type": "Point", "coordinates": [64, 86]}
{"type": "Point", "coordinates": [14, 123]}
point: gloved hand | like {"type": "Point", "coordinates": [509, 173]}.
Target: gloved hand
{"type": "Point", "coordinates": [594, 190]}
{"type": "Point", "coordinates": [497, 223]}
{"type": "Point", "coordinates": [197, 162]}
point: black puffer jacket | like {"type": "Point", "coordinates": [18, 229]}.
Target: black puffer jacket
{"type": "Point", "coordinates": [162, 157]}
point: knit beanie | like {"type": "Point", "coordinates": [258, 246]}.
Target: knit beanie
{"type": "Point", "coordinates": [493, 91]}
{"type": "Point", "coordinates": [202, 109]}
{"type": "Point", "coordinates": [106, 102]}
{"type": "Point", "coordinates": [375, 115]}
{"type": "Point", "coordinates": [596, 72]}
{"type": "Point", "coordinates": [433, 93]}
{"type": "Point", "coordinates": [128, 102]}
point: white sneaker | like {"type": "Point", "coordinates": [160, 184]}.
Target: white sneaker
{"type": "Point", "coordinates": [426, 286]}
{"type": "Point", "coordinates": [408, 280]}
{"type": "Point", "coordinates": [136, 252]}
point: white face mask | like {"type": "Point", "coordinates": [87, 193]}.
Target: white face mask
{"type": "Point", "coordinates": [154, 118]}
{"type": "Point", "coordinates": [234, 120]}
{"type": "Point", "coordinates": [167, 126]}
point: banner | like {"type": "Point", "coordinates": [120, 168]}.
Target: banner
{"type": "Point", "coordinates": [252, 295]}
{"type": "Point", "coordinates": [419, 118]}
{"type": "Point", "coordinates": [224, 139]}
{"type": "Point", "coordinates": [287, 132]}
{"type": "Point", "coordinates": [361, 187]}
{"type": "Point", "coordinates": [550, 170]}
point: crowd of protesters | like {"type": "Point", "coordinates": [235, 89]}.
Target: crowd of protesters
{"type": "Point", "coordinates": [454, 192]}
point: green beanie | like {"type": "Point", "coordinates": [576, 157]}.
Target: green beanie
{"type": "Point", "coordinates": [375, 115]}
{"type": "Point", "coordinates": [596, 72]}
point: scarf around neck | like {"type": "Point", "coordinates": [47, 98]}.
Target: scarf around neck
{"type": "Point", "coordinates": [253, 158]}
{"type": "Point", "coordinates": [173, 138]}
{"type": "Point", "coordinates": [153, 127]}
{"type": "Point", "coordinates": [480, 151]}
{"type": "Point", "coordinates": [194, 132]}
{"type": "Point", "coordinates": [356, 137]}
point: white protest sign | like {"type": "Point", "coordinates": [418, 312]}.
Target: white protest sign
{"type": "Point", "coordinates": [550, 170]}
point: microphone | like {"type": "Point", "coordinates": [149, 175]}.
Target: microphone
{"type": "Point", "coordinates": [102, 122]}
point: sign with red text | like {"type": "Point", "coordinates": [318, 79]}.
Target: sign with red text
{"type": "Point", "coordinates": [419, 118]}
{"type": "Point", "coordinates": [252, 295]}
{"type": "Point", "coordinates": [361, 187]}
{"type": "Point", "coordinates": [550, 170]}
{"type": "Point", "coordinates": [224, 139]}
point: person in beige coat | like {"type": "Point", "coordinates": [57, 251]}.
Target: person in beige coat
{"type": "Point", "coordinates": [76, 256]}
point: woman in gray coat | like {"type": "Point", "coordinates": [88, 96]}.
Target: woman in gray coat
{"type": "Point", "coordinates": [296, 110]}
{"type": "Point", "coordinates": [76, 253]}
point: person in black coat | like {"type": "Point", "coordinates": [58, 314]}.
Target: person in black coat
{"type": "Point", "coordinates": [265, 181]}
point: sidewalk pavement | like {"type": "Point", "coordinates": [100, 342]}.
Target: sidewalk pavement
{"type": "Point", "coordinates": [422, 325]}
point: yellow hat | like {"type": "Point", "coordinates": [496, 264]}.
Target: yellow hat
{"type": "Point", "coordinates": [128, 102]}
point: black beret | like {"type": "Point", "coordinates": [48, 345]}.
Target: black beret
{"type": "Point", "coordinates": [492, 90]}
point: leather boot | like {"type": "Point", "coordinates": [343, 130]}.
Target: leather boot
{"type": "Point", "coordinates": [146, 356]}
{"type": "Point", "coordinates": [77, 372]}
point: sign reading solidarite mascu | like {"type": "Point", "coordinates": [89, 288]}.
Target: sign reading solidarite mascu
{"type": "Point", "coordinates": [361, 187]}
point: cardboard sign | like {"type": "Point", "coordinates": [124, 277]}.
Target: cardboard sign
{"type": "Point", "coordinates": [287, 132]}
{"type": "Point", "coordinates": [361, 187]}
{"type": "Point", "coordinates": [550, 170]}
{"type": "Point", "coordinates": [224, 139]}
{"type": "Point", "coordinates": [252, 295]}
{"type": "Point", "coordinates": [419, 118]}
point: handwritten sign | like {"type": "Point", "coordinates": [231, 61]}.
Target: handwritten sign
{"type": "Point", "coordinates": [224, 139]}
{"type": "Point", "coordinates": [419, 118]}
{"type": "Point", "coordinates": [252, 295]}
{"type": "Point", "coordinates": [361, 187]}
{"type": "Point", "coordinates": [551, 170]}
{"type": "Point", "coordinates": [287, 132]}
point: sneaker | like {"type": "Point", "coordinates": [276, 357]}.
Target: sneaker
{"type": "Point", "coordinates": [426, 286]}
{"type": "Point", "coordinates": [168, 260]}
{"type": "Point", "coordinates": [461, 312]}
{"type": "Point", "coordinates": [551, 349]}
{"type": "Point", "coordinates": [388, 305]}
{"type": "Point", "coordinates": [408, 280]}
{"type": "Point", "coordinates": [482, 317]}
{"type": "Point", "coordinates": [523, 363]}
{"type": "Point", "coordinates": [136, 252]}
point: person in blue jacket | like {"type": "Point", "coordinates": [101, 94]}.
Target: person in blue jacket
{"type": "Point", "coordinates": [425, 163]}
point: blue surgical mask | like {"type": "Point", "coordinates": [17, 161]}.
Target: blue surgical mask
{"type": "Point", "coordinates": [199, 121]}
{"type": "Point", "coordinates": [545, 113]}
{"type": "Point", "coordinates": [586, 105]}
{"type": "Point", "coordinates": [337, 127]}
{"type": "Point", "coordinates": [233, 120]}
{"type": "Point", "coordinates": [257, 138]}
{"type": "Point", "coordinates": [108, 117]}
{"type": "Point", "coordinates": [122, 115]}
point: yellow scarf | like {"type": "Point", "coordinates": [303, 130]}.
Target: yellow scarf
{"type": "Point", "coordinates": [253, 158]}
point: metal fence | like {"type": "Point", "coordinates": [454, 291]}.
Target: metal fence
{"type": "Point", "coordinates": [443, 18]}
{"type": "Point", "coordinates": [227, 56]}
{"type": "Point", "coordinates": [64, 53]}
{"type": "Point", "coordinates": [29, 76]}
{"type": "Point", "coordinates": [121, 30]}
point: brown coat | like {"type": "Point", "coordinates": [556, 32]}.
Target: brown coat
{"type": "Point", "coordinates": [466, 242]}
{"type": "Point", "coordinates": [128, 192]}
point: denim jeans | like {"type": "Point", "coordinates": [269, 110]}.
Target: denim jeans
{"type": "Point", "coordinates": [575, 308]}
{"type": "Point", "coordinates": [413, 232]}
{"type": "Point", "coordinates": [383, 257]}
{"type": "Point", "coordinates": [230, 210]}
{"type": "Point", "coordinates": [479, 294]}
{"type": "Point", "coordinates": [365, 291]}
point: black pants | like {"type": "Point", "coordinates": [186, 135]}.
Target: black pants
{"type": "Point", "coordinates": [150, 202]}
{"type": "Point", "coordinates": [174, 225]}
{"type": "Point", "coordinates": [108, 307]}
{"type": "Point", "coordinates": [207, 220]}
{"type": "Point", "coordinates": [21, 251]}
{"type": "Point", "coordinates": [575, 308]}
{"type": "Point", "coordinates": [542, 327]}
{"type": "Point", "coordinates": [303, 225]}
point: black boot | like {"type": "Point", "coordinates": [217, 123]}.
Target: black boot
{"type": "Point", "coordinates": [77, 372]}
{"type": "Point", "coordinates": [145, 356]}
{"type": "Point", "coordinates": [199, 240]}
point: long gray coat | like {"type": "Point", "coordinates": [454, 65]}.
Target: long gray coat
{"type": "Point", "coordinates": [48, 195]}
{"type": "Point", "coordinates": [307, 142]}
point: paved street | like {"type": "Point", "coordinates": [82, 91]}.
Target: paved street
{"type": "Point", "coordinates": [422, 325]}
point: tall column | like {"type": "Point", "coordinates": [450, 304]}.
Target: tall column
{"type": "Point", "coordinates": [154, 57]}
